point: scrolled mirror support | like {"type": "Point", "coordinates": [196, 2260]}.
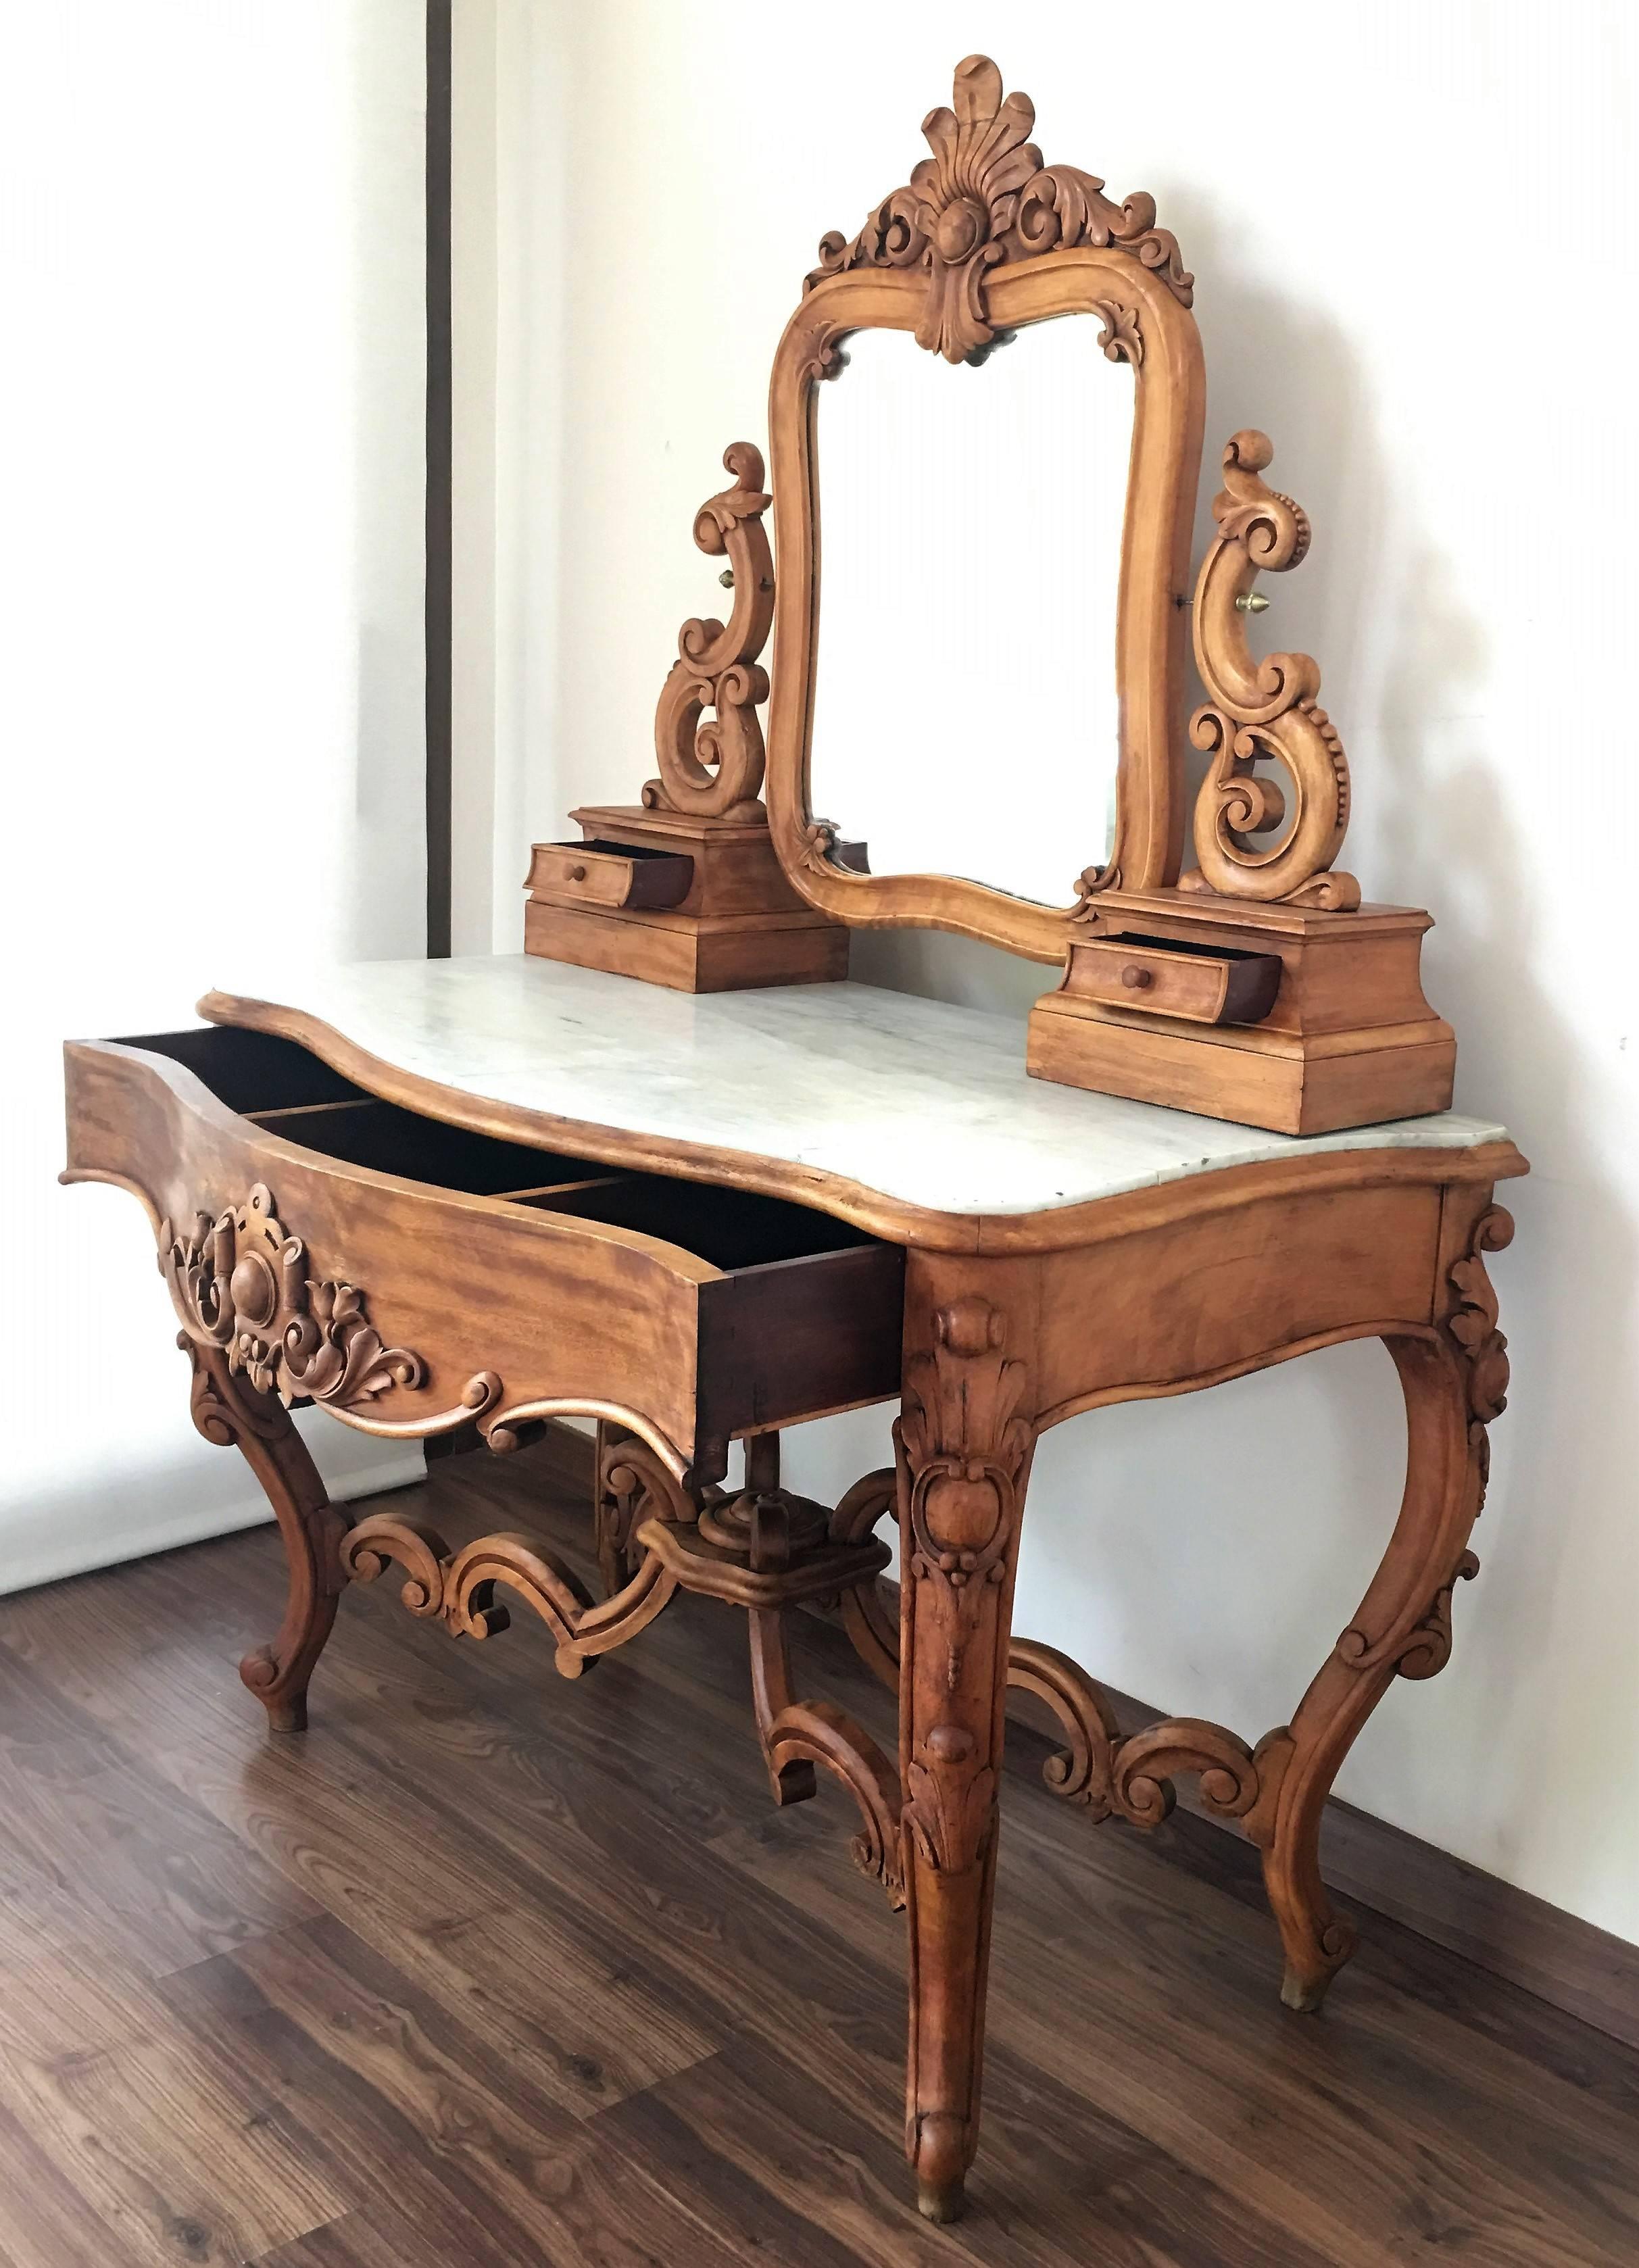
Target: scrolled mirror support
{"type": "Point", "coordinates": [1256, 710]}
{"type": "Point", "coordinates": [713, 768]}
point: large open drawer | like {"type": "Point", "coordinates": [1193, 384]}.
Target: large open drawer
{"type": "Point", "coordinates": [707, 1311]}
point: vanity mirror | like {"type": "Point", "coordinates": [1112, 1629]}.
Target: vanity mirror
{"type": "Point", "coordinates": [986, 421]}
{"type": "Point", "coordinates": [973, 522]}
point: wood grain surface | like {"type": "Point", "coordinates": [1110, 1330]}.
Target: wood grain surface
{"type": "Point", "coordinates": [491, 1967]}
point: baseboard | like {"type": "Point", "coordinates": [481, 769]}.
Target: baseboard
{"type": "Point", "coordinates": [1566, 1962]}
{"type": "Point", "coordinates": [1506, 1930]}
{"type": "Point", "coordinates": [170, 1503]}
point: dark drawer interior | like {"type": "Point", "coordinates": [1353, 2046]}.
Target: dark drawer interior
{"type": "Point", "coordinates": [283, 1087]}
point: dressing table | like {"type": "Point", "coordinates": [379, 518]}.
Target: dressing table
{"type": "Point", "coordinates": [668, 1172]}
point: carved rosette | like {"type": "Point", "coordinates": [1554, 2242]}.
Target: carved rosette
{"type": "Point", "coordinates": [240, 1283]}
{"type": "Point", "coordinates": [713, 766]}
{"type": "Point", "coordinates": [984, 196]}
{"type": "Point", "coordinates": [1256, 711]}
{"type": "Point", "coordinates": [963, 1446]}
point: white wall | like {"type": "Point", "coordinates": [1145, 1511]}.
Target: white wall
{"type": "Point", "coordinates": [212, 684]}
{"type": "Point", "coordinates": [1412, 231]}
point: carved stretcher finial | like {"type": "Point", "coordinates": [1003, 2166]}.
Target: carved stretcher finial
{"type": "Point", "coordinates": [1257, 710]}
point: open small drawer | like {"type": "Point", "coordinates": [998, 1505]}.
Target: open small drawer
{"type": "Point", "coordinates": [1168, 976]}
{"type": "Point", "coordinates": [707, 1311]}
{"type": "Point", "coordinates": [613, 874]}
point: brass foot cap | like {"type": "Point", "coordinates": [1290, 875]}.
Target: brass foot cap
{"type": "Point", "coordinates": [941, 2201]}
{"type": "Point", "coordinates": [1299, 1993]}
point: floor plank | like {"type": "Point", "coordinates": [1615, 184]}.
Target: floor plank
{"type": "Point", "coordinates": [493, 1967]}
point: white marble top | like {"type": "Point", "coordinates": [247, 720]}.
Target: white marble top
{"type": "Point", "coordinates": [927, 1104]}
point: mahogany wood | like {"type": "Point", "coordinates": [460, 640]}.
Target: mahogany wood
{"type": "Point", "coordinates": [498, 1976]}
{"type": "Point", "coordinates": [686, 890]}
{"type": "Point", "coordinates": [1548, 1954]}
{"type": "Point", "coordinates": [1035, 245]}
{"type": "Point", "coordinates": [706, 953]}
{"type": "Point", "coordinates": [412, 1308]}
{"type": "Point", "coordinates": [230, 1409]}
{"type": "Point", "coordinates": [628, 1307]}
{"type": "Point", "coordinates": [425, 1264]}
{"type": "Point", "coordinates": [1349, 1038]}
{"type": "Point", "coordinates": [600, 874]}
{"type": "Point", "coordinates": [1172, 977]}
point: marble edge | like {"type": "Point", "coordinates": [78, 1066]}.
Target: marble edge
{"type": "Point", "coordinates": [1445, 1130]}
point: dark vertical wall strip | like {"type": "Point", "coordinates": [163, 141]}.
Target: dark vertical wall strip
{"type": "Point", "coordinates": [439, 480]}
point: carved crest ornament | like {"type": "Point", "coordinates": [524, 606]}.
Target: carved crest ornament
{"type": "Point", "coordinates": [985, 195]}
{"type": "Point", "coordinates": [985, 200]}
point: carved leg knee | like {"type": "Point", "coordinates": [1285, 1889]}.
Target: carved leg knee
{"type": "Point", "coordinates": [227, 1410]}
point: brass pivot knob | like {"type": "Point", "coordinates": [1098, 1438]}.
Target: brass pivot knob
{"type": "Point", "coordinates": [1252, 602]}
{"type": "Point", "coordinates": [1134, 978]}
{"type": "Point", "coordinates": [727, 579]}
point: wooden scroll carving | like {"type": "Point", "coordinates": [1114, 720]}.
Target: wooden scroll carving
{"type": "Point", "coordinates": [231, 1412]}
{"type": "Point", "coordinates": [1258, 710]}
{"type": "Point", "coordinates": [1131, 1778]}
{"type": "Point", "coordinates": [714, 769]}
{"type": "Point", "coordinates": [1472, 1325]}
{"type": "Point", "coordinates": [458, 1588]}
{"type": "Point", "coordinates": [986, 196]}
{"type": "Point", "coordinates": [240, 1283]}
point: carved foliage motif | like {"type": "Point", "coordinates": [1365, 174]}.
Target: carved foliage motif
{"type": "Point", "coordinates": [1472, 1326]}
{"type": "Point", "coordinates": [1131, 1778]}
{"type": "Point", "coordinates": [966, 1445]}
{"type": "Point", "coordinates": [1429, 1648]}
{"type": "Point", "coordinates": [241, 1283]}
{"type": "Point", "coordinates": [714, 766]}
{"type": "Point", "coordinates": [962, 1446]}
{"type": "Point", "coordinates": [1120, 338]}
{"type": "Point", "coordinates": [986, 196]}
{"type": "Point", "coordinates": [1256, 711]}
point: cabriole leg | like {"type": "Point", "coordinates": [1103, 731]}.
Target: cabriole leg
{"type": "Point", "coordinates": [1454, 1385]}
{"type": "Point", "coordinates": [964, 1451]}
{"type": "Point", "coordinates": [229, 1412]}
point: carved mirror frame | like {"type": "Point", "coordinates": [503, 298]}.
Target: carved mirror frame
{"type": "Point", "coordinates": [984, 240]}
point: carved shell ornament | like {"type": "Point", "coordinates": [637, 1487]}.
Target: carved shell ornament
{"type": "Point", "coordinates": [986, 196]}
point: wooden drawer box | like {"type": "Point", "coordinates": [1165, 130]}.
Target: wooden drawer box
{"type": "Point", "coordinates": [1161, 977]}
{"type": "Point", "coordinates": [613, 874]}
{"type": "Point", "coordinates": [708, 1311]}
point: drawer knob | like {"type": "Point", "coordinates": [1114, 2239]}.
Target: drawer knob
{"type": "Point", "coordinates": [1135, 979]}
{"type": "Point", "coordinates": [577, 873]}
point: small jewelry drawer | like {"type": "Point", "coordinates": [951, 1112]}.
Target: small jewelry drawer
{"type": "Point", "coordinates": [1158, 977]}
{"type": "Point", "coordinates": [614, 874]}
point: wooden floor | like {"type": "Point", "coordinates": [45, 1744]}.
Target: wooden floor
{"type": "Point", "coordinates": [490, 1968]}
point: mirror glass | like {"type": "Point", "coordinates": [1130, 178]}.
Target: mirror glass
{"type": "Point", "coordinates": [965, 712]}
